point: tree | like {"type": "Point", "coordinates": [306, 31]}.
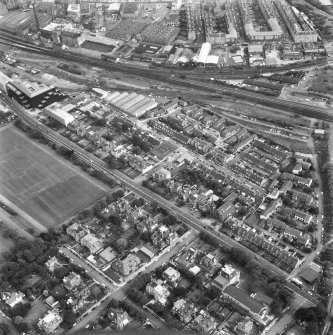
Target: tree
{"type": "Point", "coordinates": [276, 307]}
{"type": "Point", "coordinates": [115, 219]}
{"type": "Point", "coordinates": [61, 272]}
{"type": "Point", "coordinates": [4, 329]}
{"type": "Point", "coordinates": [22, 327]}
{"type": "Point", "coordinates": [158, 308]}
{"type": "Point", "coordinates": [213, 292]}
{"type": "Point", "coordinates": [69, 318]}
{"type": "Point", "coordinates": [21, 309]}
{"type": "Point", "coordinates": [180, 291]}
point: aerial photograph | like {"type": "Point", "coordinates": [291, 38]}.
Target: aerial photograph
{"type": "Point", "coordinates": [166, 167]}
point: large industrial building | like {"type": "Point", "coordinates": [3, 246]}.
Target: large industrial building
{"type": "Point", "coordinates": [131, 103]}
{"type": "Point", "coordinates": [204, 52]}
{"type": "Point", "coordinates": [60, 113]}
{"type": "Point", "coordinates": [299, 25]}
{"type": "Point", "coordinates": [32, 94]}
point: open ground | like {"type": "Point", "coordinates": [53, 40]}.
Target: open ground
{"type": "Point", "coordinates": [39, 183]}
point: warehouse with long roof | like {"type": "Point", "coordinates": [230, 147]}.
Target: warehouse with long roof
{"type": "Point", "coordinates": [131, 103]}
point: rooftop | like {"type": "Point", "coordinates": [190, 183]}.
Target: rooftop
{"type": "Point", "coordinates": [244, 299]}
{"type": "Point", "coordinates": [31, 89]}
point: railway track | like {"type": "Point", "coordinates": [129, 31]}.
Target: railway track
{"type": "Point", "coordinates": [216, 89]}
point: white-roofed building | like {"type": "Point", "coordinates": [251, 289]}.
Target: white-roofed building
{"type": "Point", "coordinates": [212, 59]}
{"type": "Point", "coordinates": [172, 276]}
{"type": "Point", "coordinates": [60, 113]}
{"type": "Point", "coordinates": [195, 269]}
{"type": "Point", "coordinates": [92, 243]}
{"type": "Point", "coordinates": [4, 80]}
{"type": "Point", "coordinates": [119, 97]}
{"type": "Point", "coordinates": [12, 298]}
{"type": "Point", "coordinates": [158, 290]}
{"type": "Point", "coordinates": [31, 89]}
{"type": "Point", "coordinates": [204, 52]}
{"type": "Point", "coordinates": [74, 10]}
{"type": "Point", "coordinates": [114, 8]}
{"type": "Point", "coordinates": [50, 321]}
{"type": "Point", "coordinates": [134, 101]}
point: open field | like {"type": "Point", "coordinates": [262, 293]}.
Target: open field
{"type": "Point", "coordinates": [39, 183]}
{"type": "Point", "coordinates": [323, 81]}
{"type": "Point", "coordinates": [5, 244]}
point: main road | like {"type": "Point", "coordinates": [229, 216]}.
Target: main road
{"type": "Point", "coordinates": [147, 194]}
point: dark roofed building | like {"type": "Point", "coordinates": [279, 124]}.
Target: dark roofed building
{"type": "Point", "coordinates": [311, 273]}
{"type": "Point", "coordinates": [255, 308]}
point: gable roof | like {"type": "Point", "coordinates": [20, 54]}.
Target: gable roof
{"type": "Point", "coordinates": [244, 299]}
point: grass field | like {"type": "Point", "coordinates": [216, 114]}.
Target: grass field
{"type": "Point", "coordinates": [323, 81]}
{"type": "Point", "coordinates": [40, 184]}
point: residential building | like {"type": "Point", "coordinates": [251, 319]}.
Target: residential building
{"type": "Point", "coordinates": [287, 185]}
{"type": "Point", "coordinates": [304, 197]}
{"type": "Point", "coordinates": [72, 281]}
{"type": "Point", "coordinates": [53, 264]}
{"type": "Point", "coordinates": [140, 164]}
{"type": "Point", "coordinates": [126, 265]}
{"type": "Point", "coordinates": [297, 168]}
{"type": "Point", "coordinates": [118, 317]}
{"type": "Point", "coordinates": [274, 32]}
{"type": "Point", "coordinates": [162, 237]}
{"type": "Point", "coordinates": [158, 290]}
{"type": "Point", "coordinates": [245, 326]}
{"type": "Point", "coordinates": [108, 255]}
{"type": "Point", "coordinates": [299, 26]}
{"type": "Point", "coordinates": [303, 181]}
{"type": "Point", "coordinates": [292, 232]}
{"type": "Point", "coordinates": [204, 323]}
{"type": "Point", "coordinates": [226, 209]}
{"type": "Point", "coordinates": [185, 310]}
{"type": "Point", "coordinates": [287, 176]}
{"type": "Point", "coordinates": [209, 261]}
{"type": "Point", "coordinates": [76, 231]}
{"type": "Point", "coordinates": [92, 243]}
{"type": "Point", "coordinates": [162, 174]}
{"type": "Point", "coordinates": [172, 276]}
{"type": "Point", "coordinates": [227, 276]}
{"type": "Point", "coordinates": [12, 298]}
{"type": "Point", "coordinates": [50, 321]}
{"type": "Point", "coordinates": [271, 209]}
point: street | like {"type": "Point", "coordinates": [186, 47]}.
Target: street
{"type": "Point", "coordinates": [89, 269]}
{"type": "Point", "coordinates": [118, 293]}
{"type": "Point", "coordinates": [288, 316]}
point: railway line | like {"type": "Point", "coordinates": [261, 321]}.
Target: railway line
{"type": "Point", "coordinates": [215, 89]}
{"type": "Point", "coordinates": [224, 73]}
